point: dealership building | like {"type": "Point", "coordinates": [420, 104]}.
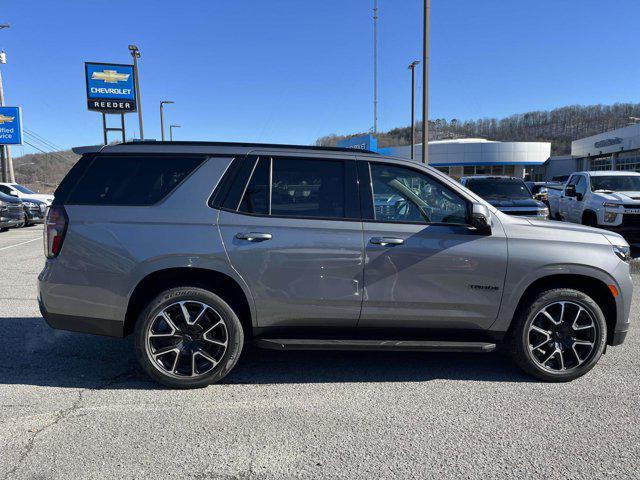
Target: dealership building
{"type": "Point", "coordinates": [477, 156]}
{"type": "Point", "coordinates": [613, 150]}
{"type": "Point", "coordinates": [466, 157]}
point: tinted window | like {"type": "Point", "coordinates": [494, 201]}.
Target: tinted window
{"type": "Point", "coordinates": [498, 188]}
{"type": "Point", "coordinates": [406, 195]}
{"type": "Point", "coordinates": [4, 189]}
{"type": "Point", "coordinates": [130, 180]}
{"type": "Point", "coordinates": [256, 195]}
{"type": "Point", "coordinates": [308, 188]}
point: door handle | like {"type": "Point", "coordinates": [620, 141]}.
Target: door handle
{"type": "Point", "coordinates": [254, 236]}
{"type": "Point", "coordinates": [384, 241]}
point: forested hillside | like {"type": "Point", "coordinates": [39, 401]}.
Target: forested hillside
{"type": "Point", "coordinates": [559, 126]}
{"type": "Point", "coordinates": [42, 172]}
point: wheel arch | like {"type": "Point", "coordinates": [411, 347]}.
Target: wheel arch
{"type": "Point", "coordinates": [594, 287]}
{"type": "Point", "coordinates": [217, 282]}
{"type": "Point", "coordinates": [588, 213]}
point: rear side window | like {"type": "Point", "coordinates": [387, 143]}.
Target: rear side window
{"type": "Point", "coordinates": [308, 188]}
{"type": "Point", "coordinates": [130, 179]}
{"type": "Point", "coordinates": [300, 187]}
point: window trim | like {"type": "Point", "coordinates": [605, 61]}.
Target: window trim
{"type": "Point", "coordinates": [432, 177]}
{"type": "Point", "coordinates": [350, 177]}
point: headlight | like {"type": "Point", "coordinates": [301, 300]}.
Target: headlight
{"type": "Point", "coordinates": [3, 204]}
{"type": "Point", "coordinates": [610, 217]}
{"type": "Point", "coordinates": [623, 252]}
{"type": "Point", "coordinates": [610, 205]}
{"type": "Point", "coordinates": [543, 212]}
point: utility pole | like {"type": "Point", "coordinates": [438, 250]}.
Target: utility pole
{"type": "Point", "coordinates": [375, 66]}
{"type": "Point", "coordinates": [425, 83]}
{"type": "Point", "coordinates": [135, 53]}
{"type": "Point", "coordinates": [171, 127]}
{"type": "Point", "coordinates": [162, 104]}
{"type": "Point", "coordinates": [412, 67]}
{"type": "Point", "coordinates": [5, 151]}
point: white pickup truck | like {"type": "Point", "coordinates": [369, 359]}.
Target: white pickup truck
{"type": "Point", "coordinates": [605, 199]}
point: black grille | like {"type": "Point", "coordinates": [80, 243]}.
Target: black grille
{"type": "Point", "coordinates": [637, 205]}
{"type": "Point", "coordinates": [631, 220]}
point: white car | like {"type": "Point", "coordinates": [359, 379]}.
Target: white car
{"type": "Point", "coordinates": [605, 199]}
{"type": "Point", "coordinates": [23, 193]}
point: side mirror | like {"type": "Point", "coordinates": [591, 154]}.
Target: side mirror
{"type": "Point", "coordinates": [13, 194]}
{"type": "Point", "coordinates": [481, 218]}
{"type": "Point", "coordinates": [570, 191]}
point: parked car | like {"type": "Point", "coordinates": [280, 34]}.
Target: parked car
{"type": "Point", "coordinates": [540, 190]}
{"type": "Point", "coordinates": [605, 199]}
{"type": "Point", "coordinates": [34, 211]}
{"type": "Point", "coordinates": [197, 248]}
{"type": "Point", "coordinates": [510, 195]}
{"type": "Point", "coordinates": [11, 212]}
{"type": "Point", "coordinates": [22, 192]}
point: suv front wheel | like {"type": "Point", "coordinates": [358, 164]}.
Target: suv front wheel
{"type": "Point", "coordinates": [559, 336]}
{"type": "Point", "coordinates": [188, 337]}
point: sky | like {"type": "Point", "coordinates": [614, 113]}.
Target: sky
{"type": "Point", "coordinates": [290, 71]}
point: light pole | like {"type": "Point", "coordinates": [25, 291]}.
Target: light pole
{"type": "Point", "coordinates": [412, 67]}
{"type": "Point", "coordinates": [425, 82]}
{"type": "Point", "coordinates": [162, 104]}
{"type": "Point", "coordinates": [135, 53]}
{"type": "Point", "coordinates": [171, 127]}
{"type": "Point", "coordinates": [6, 163]}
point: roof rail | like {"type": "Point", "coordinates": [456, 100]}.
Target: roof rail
{"type": "Point", "coordinates": [244, 145]}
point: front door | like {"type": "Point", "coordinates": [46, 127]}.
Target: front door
{"type": "Point", "coordinates": [296, 239]}
{"type": "Point", "coordinates": [425, 267]}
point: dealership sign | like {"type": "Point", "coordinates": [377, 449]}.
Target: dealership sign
{"type": "Point", "coordinates": [10, 126]}
{"type": "Point", "coordinates": [608, 142]}
{"type": "Point", "coordinates": [110, 87]}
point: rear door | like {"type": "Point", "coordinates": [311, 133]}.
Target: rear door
{"type": "Point", "coordinates": [294, 234]}
{"type": "Point", "coordinates": [425, 266]}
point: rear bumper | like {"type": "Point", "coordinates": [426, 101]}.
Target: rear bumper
{"type": "Point", "coordinates": [94, 326]}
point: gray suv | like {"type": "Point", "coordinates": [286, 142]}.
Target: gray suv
{"type": "Point", "coordinates": [197, 248]}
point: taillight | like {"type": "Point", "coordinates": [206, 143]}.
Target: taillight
{"type": "Point", "coordinates": [55, 228]}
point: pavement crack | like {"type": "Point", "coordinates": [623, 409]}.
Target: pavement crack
{"type": "Point", "coordinates": [61, 415]}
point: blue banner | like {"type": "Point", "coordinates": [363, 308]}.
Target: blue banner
{"type": "Point", "coordinates": [110, 87]}
{"type": "Point", "coordinates": [360, 142]}
{"type": "Point", "coordinates": [10, 126]}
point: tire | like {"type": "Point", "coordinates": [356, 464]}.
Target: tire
{"type": "Point", "coordinates": [200, 344]}
{"type": "Point", "coordinates": [4, 229]}
{"type": "Point", "coordinates": [589, 219]}
{"type": "Point", "coordinates": [575, 310]}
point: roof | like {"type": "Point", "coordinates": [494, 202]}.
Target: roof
{"type": "Point", "coordinates": [227, 145]}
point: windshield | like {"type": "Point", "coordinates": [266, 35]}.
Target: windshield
{"type": "Point", "coordinates": [616, 183]}
{"type": "Point", "coordinates": [498, 188]}
{"type": "Point", "coordinates": [22, 189]}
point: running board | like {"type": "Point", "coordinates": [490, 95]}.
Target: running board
{"type": "Point", "coordinates": [394, 345]}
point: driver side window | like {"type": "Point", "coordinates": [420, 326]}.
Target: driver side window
{"type": "Point", "coordinates": [408, 196]}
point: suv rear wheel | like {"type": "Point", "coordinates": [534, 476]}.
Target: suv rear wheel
{"type": "Point", "coordinates": [188, 337]}
{"type": "Point", "coordinates": [559, 336]}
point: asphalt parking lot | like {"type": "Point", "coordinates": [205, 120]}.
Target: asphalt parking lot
{"type": "Point", "coordinates": [76, 406]}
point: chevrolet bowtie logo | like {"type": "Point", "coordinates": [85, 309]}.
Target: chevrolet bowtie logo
{"type": "Point", "coordinates": [110, 76]}
{"type": "Point", "coordinates": [5, 119]}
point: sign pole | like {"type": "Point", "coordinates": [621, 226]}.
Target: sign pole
{"type": "Point", "coordinates": [122, 124]}
{"type": "Point", "coordinates": [7, 170]}
{"type": "Point", "coordinates": [104, 127]}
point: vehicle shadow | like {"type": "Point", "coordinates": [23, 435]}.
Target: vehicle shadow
{"type": "Point", "coordinates": [34, 354]}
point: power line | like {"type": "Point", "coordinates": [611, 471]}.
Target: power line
{"type": "Point", "coordinates": [44, 140]}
